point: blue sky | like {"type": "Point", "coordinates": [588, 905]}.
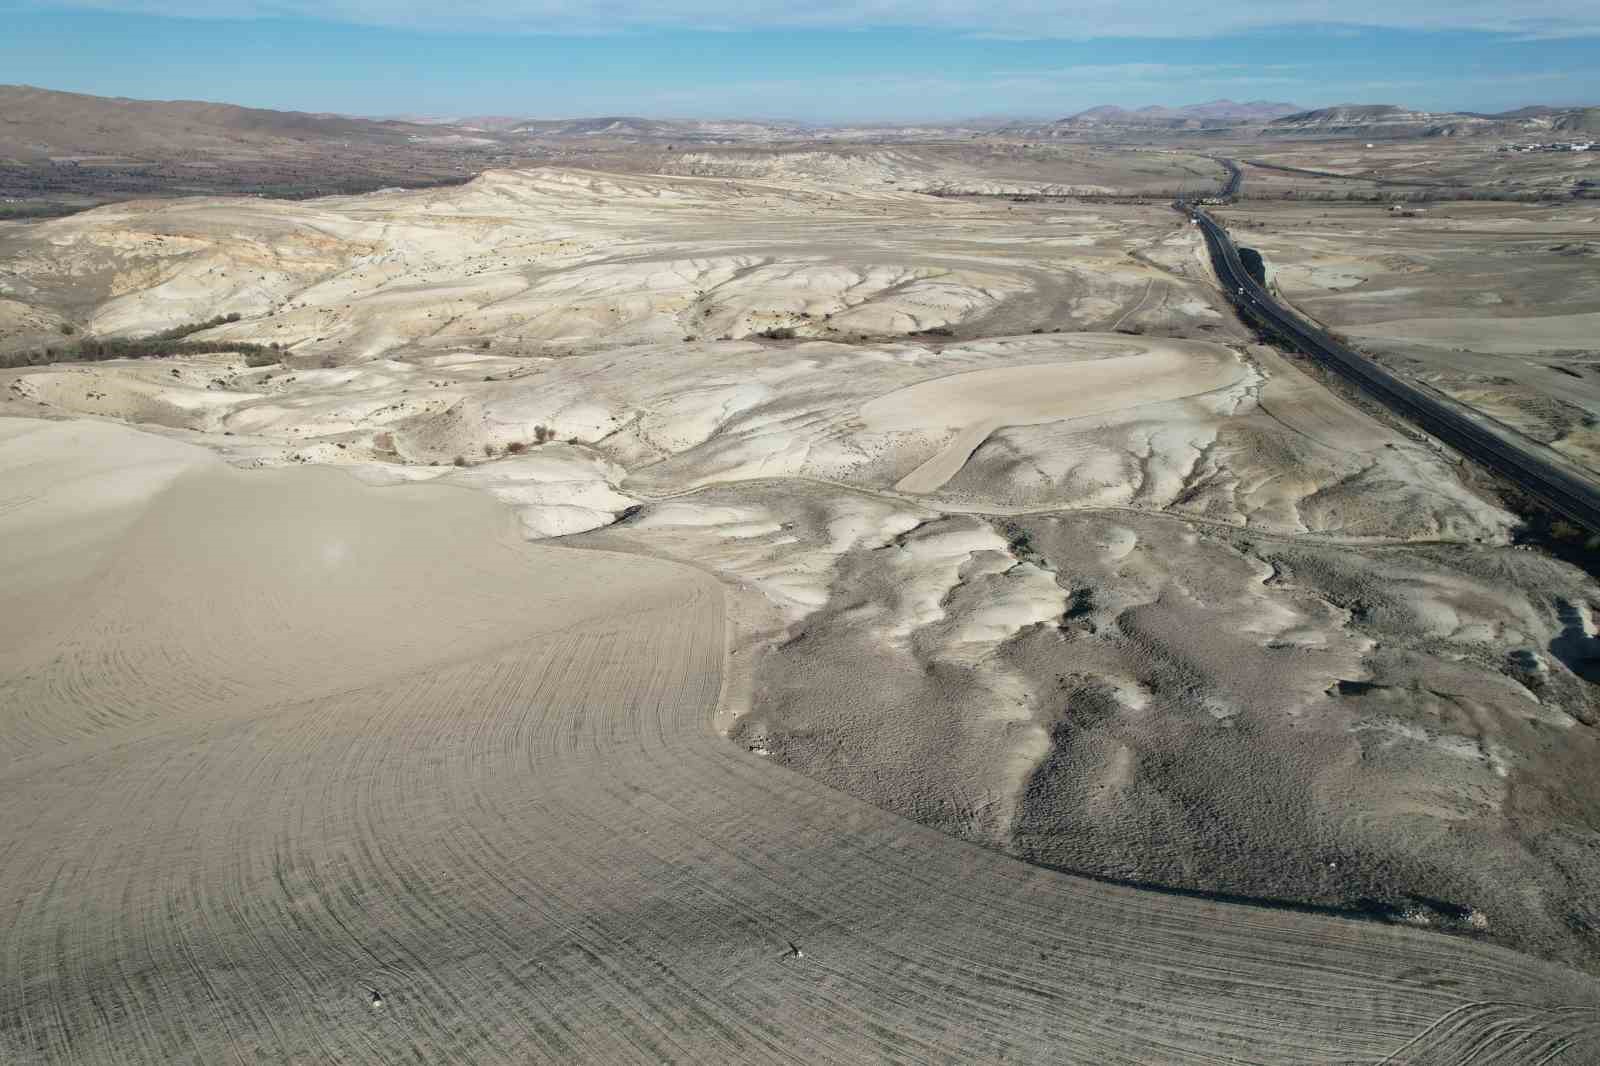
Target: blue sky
{"type": "Point", "coordinates": [820, 61]}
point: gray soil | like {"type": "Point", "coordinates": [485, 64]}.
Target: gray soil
{"type": "Point", "coordinates": [1372, 756]}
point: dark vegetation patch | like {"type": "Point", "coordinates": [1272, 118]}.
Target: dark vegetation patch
{"type": "Point", "coordinates": [167, 342]}
{"type": "Point", "coordinates": [22, 212]}
{"type": "Point", "coordinates": [1254, 265]}
{"type": "Point", "coordinates": [51, 190]}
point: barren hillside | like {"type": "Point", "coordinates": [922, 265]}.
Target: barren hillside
{"type": "Point", "coordinates": [950, 637]}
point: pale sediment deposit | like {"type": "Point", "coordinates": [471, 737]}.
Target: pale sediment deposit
{"type": "Point", "coordinates": [733, 619]}
{"type": "Point", "coordinates": [346, 773]}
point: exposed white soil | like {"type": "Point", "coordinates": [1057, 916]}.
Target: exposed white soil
{"type": "Point", "coordinates": [312, 756]}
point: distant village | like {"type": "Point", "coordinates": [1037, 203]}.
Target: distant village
{"type": "Point", "coordinates": [1554, 146]}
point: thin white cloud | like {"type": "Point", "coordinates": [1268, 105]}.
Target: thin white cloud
{"type": "Point", "coordinates": [1538, 77]}
{"type": "Point", "coordinates": [1051, 92]}
{"type": "Point", "coordinates": [1001, 19]}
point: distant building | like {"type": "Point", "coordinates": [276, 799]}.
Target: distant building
{"type": "Point", "coordinates": [1556, 146]}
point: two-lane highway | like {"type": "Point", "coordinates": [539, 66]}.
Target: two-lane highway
{"type": "Point", "coordinates": [1564, 491]}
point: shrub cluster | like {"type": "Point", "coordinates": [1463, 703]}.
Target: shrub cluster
{"type": "Point", "coordinates": [167, 342]}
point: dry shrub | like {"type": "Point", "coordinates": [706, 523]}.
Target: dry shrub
{"type": "Point", "coordinates": [1561, 529]}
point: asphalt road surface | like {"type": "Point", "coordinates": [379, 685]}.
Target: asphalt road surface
{"type": "Point", "coordinates": [1520, 463]}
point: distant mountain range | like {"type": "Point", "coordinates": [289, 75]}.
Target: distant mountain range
{"type": "Point", "coordinates": [1389, 121]}
{"type": "Point", "coordinates": [41, 125]}
{"type": "Point", "coordinates": [631, 128]}
{"type": "Point", "coordinates": [1264, 118]}
{"type": "Point", "coordinates": [1194, 115]}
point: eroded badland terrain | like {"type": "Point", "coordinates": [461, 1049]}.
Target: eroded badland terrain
{"type": "Point", "coordinates": [558, 629]}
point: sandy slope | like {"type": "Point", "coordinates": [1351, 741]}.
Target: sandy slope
{"type": "Point", "coordinates": [379, 781]}
{"type": "Point", "coordinates": [1000, 425]}
{"type": "Point", "coordinates": [1498, 336]}
{"type": "Point", "coordinates": [1150, 608]}
{"type": "Point", "coordinates": [989, 168]}
{"type": "Point", "coordinates": [1390, 727]}
{"type": "Point", "coordinates": [544, 261]}
{"type": "Point", "coordinates": [982, 401]}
